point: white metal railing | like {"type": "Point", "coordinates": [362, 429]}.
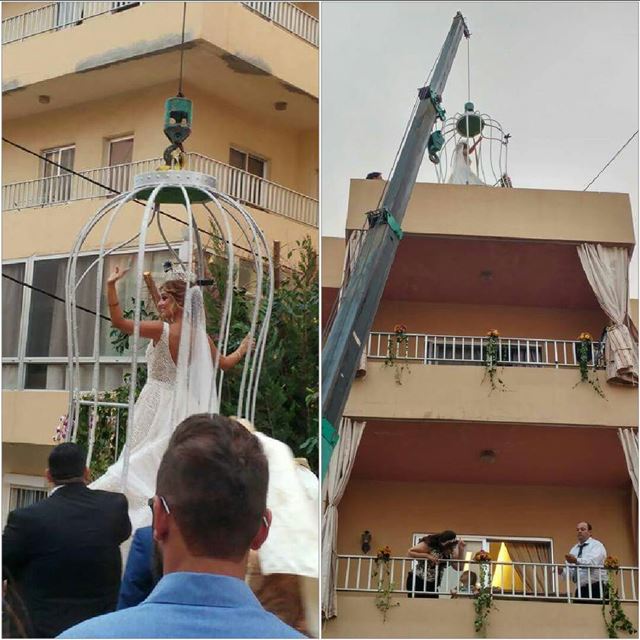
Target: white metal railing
{"type": "Point", "coordinates": [239, 184]}
{"type": "Point", "coordinates": [290, 17]}
{"type": "Point", "coordinates": [514, 580]}
{"type": "Point", "coordinates": [55, 16]}
{"type": "Point", "coordinates": [440, 349]}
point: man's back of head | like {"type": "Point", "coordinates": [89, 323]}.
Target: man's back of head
{"type": "Point", "coordinates": [67, 463]}
{"type": "Point", "coordinates": [214, 478]}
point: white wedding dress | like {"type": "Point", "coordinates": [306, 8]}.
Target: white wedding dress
{"type": "Point", "coordinates": [172, 393]}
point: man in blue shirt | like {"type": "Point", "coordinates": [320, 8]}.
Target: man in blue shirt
{"type": "Point", "coordinates": [209, 511]}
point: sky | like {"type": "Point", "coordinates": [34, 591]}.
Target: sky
{"type": "Point", "coordinates": [561, 77]}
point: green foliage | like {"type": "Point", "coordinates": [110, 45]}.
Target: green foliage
{"type": "Point", "coordinates": [615, 618]}
{"type": "Point", "coordinates": [586, 375]}
{"type": "Point", "coordinates": [385, 587]}
{"type": "Point", "coordinates": [492, 353]}
{"type": "Point", "coordinates": [119, 339]}
{"type": "Point", "coordinates": [398, 353]}
{"type": "Point", "coordinates": [483, 602]}
{"type": "Point", "coordinates": [287, 400]}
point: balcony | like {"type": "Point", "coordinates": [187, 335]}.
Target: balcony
{"type": "Point", "coordinates": [289, 17]}
{"type": "Point", "coordinates": [471, 350]}
{"type": "Point", "coordinates": [241, 185]}
{"type": "Point", "coordinates": [555, 614]}
{"type": "Point", "coordinates": [56, 16]}
{"type": "Point", "coordinates": [507, 580]}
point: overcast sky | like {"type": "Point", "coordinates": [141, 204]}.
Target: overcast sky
{"type": "Point", "coordinates": [561, 77]}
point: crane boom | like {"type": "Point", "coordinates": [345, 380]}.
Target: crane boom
{"type": "Point", "coordinates": [363, 292]}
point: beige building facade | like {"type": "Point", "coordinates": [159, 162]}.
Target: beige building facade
{"type": "Point", "coordinates": [84, 85]}
{"type": "Point", "coordinates": [510, 469]}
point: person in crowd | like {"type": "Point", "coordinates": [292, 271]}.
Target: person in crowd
{"type": "Point", "coordinates": [61, 555]}
{"type": "Point", "coordinates": [374, 175]}
{"type": "Point", "coordinates": [432, 550]}
{"type": "Point", "coordinates": [468, 582]}
{"type": "Point", "coordinates": [591, 583]}
{"type": "Point", "coordinates": [209, 511]}
{"type": "Point", "coordinates": [141, 574]}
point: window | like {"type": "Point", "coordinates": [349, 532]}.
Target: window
{"type": "Point", "coordinates": [56, 183]}
{"type": "Point", "coordinates": [514, 573]}
{"type": "Point", "coordinates": [247, 186]}
{"type": "Point", "coordinates": [20, 491]}
{"type": "Point", "coordinates": [120, 156]}
{"type": "Point", "coordinates": [39, 345]}
{"type": "Point", "coordinates": [11, 308]}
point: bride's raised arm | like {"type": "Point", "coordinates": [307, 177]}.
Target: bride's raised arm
{"type": "Point", "coordinates": [148, 328]}
{"type": "Point", "coordinates": [230, 361]}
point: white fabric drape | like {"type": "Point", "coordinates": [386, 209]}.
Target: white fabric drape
{"type": "Point", "coordinates": [334, 485]}
{"type": "Point", "coordinates": [629, 441]}
{"type": "Point", "coordinates": [607, 270]}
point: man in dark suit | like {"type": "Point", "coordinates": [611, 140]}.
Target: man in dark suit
{"type": "Point", "coordinates": [140, 574]}
{"type": "Point", "coordinates": [62, 554]}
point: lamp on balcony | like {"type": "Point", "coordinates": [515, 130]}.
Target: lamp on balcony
{"type": "Point", "coordinates": [365, 540]}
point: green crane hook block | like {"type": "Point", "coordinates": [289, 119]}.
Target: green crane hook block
{"type": "Point", "coordinates": [177, 119]}
{"type": "Point", "coordinates": [470, 124]}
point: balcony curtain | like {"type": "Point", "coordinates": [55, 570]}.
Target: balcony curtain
{"type": "Point", "coordinates": [334, 485]}
{"type": "Point", "coordinates": [629, 441]}
{"type": "Point", "coordinates": [532, 577]}
{"type": "Point", "coordinates": [607, 270]}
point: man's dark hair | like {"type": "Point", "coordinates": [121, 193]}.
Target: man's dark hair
{"type": "Point", "coordinates": [67, 462]}
{"type": "Point", "coordinates": [214, 477]}
{"type": "Point", "coordinates": [374, 175]}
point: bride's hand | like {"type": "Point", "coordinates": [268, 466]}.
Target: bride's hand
{"type": "Point", "coordinates": [247, 344]}
{"type": "Point", "coordinates": [117, 275]}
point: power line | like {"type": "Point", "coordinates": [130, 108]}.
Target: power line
{"type": "Point", "coordinates": [612, 159]}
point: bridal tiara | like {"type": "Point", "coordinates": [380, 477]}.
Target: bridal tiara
{"type": "Point", "coordinates": [177, 272]}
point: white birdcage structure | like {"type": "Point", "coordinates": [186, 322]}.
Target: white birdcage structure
{"type": "Point", "coordinates": [470, 148]}
{"type": "Point", "coordinates": [210, 221]}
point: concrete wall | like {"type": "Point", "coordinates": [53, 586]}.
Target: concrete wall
{"type": "Point", "coordinates": [358, 618]}
{"type": "Point", "coordinates": [535, 214]}
{"type": "Point", "coordinates": [116, 37]}
{"type": "Point", "coordinates": [31, 417]}
{"type": "Point", "coordinates": [456, 392]}
{"type": "Point", "coordinates": [393, 511]}
{"type": "Point", "coordinates": [292, 155]}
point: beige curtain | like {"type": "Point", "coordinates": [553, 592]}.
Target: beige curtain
{"type": "Point", "coordinates": [607, 270]}
{"type": "Point", "coordinates": [629, 441]}
{"type": "Point", "coordinates": [533, 577]}
{"type": "Point", "coordinates": [334, 485]}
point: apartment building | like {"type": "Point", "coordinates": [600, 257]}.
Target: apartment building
{"type": "Point", "coordinates": [84, 85]}
{"type": "Point", "coordinates": [510, 462]}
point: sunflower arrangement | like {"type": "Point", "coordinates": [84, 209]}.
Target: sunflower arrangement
{"type": "Point", "coordinates": [491, 357]}
{"type": "Point", "coordinates": [483, 598]}
{"type": "Point", "coordinates": [585, 354]}
{"type": "Point", "coordinates": [385, 586]}
{"type": "Point", "coordinates": [615, 619]}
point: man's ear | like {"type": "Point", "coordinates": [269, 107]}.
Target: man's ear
{"type": "Point", "coordinates": [263, 531]}
{"type": "Point", "coordinates": [47, 473]}
{"type": "Point", "coordinates": [86, 475]}
{"type": "Point", "coordinates": [160, 521]}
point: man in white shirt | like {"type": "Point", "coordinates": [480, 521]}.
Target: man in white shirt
{"type": "Point", "coordinates": [582, 560]}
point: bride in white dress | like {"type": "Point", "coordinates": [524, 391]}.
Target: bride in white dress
{"type": "Point", "coordinates": [180, 374]}
{"type": "Point", "coordinates": [168, 397]}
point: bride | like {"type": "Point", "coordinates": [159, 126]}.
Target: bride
{"type": "Point", "coordinates": [179, 383]}
{"type": "Point", "coordinates": [180, 363]}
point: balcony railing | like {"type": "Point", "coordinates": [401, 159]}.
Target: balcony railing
{"type": "Point", "coordinates": [55, 16]}
{"type": "Point", "coordinates": [513, 580]}
{"type": "Point", "coordinates": [290, 17]}
{"type": "Point", "coordinates": [241, 185]}
{"type": "Point", "coordinates": [515, 352]}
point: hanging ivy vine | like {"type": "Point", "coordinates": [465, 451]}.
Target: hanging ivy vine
{"type": "Point", "coordinates": [385, 586]}
{"type": "Point", "coordinates": [398, 352]}
{"type": "Point", "coordinates": [491, 358]}
{"type": "Point", "coordinates": [483, 598]}
{"type": "Point", "coordinates": [615, 619]}
{"type": "Point", "coordinates": [585, 354]}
